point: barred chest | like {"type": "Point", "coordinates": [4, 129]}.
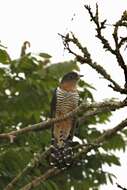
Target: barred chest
{"type": "Point", "coordinates": [66, 101]}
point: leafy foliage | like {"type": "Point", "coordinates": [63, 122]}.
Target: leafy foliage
{"type": "Point", "coordinates": [26, 87]}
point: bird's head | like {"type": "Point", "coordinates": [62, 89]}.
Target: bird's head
{"type": "Point", "coordinates": [71, 77]}
{"type": "Point", "coordinates": [69, 81]}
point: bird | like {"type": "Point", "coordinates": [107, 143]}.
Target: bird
{"type": "Point", "coordinates": [65, 99]}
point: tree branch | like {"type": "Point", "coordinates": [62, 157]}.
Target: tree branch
{"type": "Point", "coordinates": [94, 112]}
{"type": "Point", "coordinates": [106, 45]}
{"type": "Point", "coordinates": [40, 179]}
{"type": "Point", "coordinates": [35, 161]}
{"type": "Point", "coordinates": [99, 27]}
{"type": "Point", "coordinates": [98, 142]}
{"type": "Point", "coordinates": [121, 62]}
{"type": "Point", "coordinates": [86, 58]}
{"type": "Point", "coordinates": [31, 165]}
{"type": "Point", "coordinates": [110, 104]}
{"type": "Point", "coordinates": [120, 187]}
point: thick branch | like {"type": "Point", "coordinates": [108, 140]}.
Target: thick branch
{"type": "Point", "coordinates": [111, 105]}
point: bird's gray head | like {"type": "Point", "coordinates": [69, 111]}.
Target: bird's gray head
{"type": "Point", "coordinates": [71, 76]}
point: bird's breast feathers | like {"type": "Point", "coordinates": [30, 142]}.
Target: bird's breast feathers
{"type": "Point", "coordinates": [66, 101]}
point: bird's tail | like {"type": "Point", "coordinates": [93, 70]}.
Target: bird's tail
{"type": "Point", "coordinates": [61, 157]}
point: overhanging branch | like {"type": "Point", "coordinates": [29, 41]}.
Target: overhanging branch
{"type": "Point", "coordinates": [86, 59]}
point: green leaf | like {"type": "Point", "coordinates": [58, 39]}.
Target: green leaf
{"type": "Point", "coordinates": [115, 143]}
{"type": "Point", "coordinates": [53, 185]}
{"type": "Point", "coordinates": [45, 55]}
{"type": "Point", "coordinates": [103, 117]}
{"type": "Point", "coordinates": [82, 83]}
{"type": "Point", "coordinates": [76, 173]}
{"type": "Point", "coordinates": [124, 131]}
{"type": "Point", "coordinates": [4, 57]}
{"type": "Point", "coordinates": [110, 159]}
{"type": "Point", "coordinates": [110, 177]}
{"type": "Point", "coordinates": [86, 95]}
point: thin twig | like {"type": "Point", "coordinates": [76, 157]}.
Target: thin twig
{"type": "Point", "coordinates": [86, 59]}
{"type": "Point", "coordinates": [106, 45]}
{"type": "Point", "coordinates": [40, 179]}
{"type": "Point", "coordinates": [120, 187]}
{"type": "Point", "coordinates": [99, 27]}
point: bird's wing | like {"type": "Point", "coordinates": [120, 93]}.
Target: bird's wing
{"type": "Point", "coordinates": [53, 105]}
{"type": "Point", "coordinates": [53, 110]}
{"type": "Point", "coordinates": [74, 126]}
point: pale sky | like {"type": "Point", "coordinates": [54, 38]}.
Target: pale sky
{"type": "Point", "coordinates": [40, 21]}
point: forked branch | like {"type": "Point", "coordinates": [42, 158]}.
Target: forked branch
{"type": "Point", "coordinates": [119, 41]}
{"type": "Point", "coordinates": [85, 58]}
